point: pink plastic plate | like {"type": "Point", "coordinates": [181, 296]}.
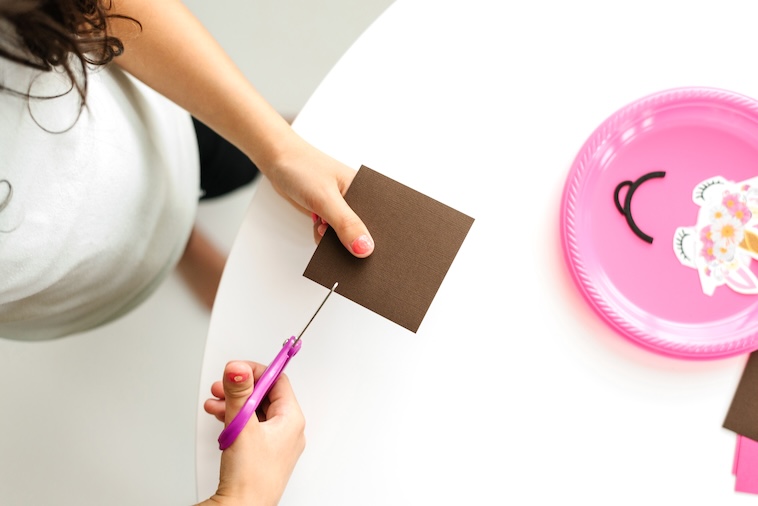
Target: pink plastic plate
{"type": "Point", "coordinates": [659, 222]}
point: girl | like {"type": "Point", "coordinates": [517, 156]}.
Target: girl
{"type": "Point", "coordinates": [100, 177]}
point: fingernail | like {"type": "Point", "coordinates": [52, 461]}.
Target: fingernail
{"type": "Point", "coordinates": [322, 229]}
{"type": "Point", "coordinates": [237, 377]}
{"type": "Point", "coordinates": [314, 217]}
{"type": "Point", "coordinates": [363, 244]}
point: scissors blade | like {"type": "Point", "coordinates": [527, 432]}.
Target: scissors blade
{"type": "Point", "coordinates": [317, 310]}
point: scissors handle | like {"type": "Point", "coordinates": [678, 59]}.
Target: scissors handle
{"type": "Point", "coordinates": [262, 386]}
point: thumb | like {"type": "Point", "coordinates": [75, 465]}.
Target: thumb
{"type": "Point", "coordinates": [350, 229]}
{"type": "Point", "coordinates": [238, 386]}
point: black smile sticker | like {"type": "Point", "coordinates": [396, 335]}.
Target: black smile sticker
{"type": "Point", "coordinates": [626, 208]}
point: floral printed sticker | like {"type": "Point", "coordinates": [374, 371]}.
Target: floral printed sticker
{"type": "Point", "coordinates": [724, 241]}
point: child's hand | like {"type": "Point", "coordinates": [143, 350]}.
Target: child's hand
{"type": "Point", "coordinates": [315, 183]}
{"type": "Point", "coordinates": [256, 467]}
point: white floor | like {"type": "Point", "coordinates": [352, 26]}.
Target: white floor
{"type": "Point", "coordinates": [108, 417]}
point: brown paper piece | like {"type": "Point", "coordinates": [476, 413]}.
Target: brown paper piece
{"type": "Point", "coordinates": [416, 239]}
{"type": "Point", "coordinates": [742, 416]}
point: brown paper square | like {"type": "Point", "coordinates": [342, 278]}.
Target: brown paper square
{"type": "Point", "coordinates": [416, 239]}
{"type": "Point", "coordinates": [742, 416]}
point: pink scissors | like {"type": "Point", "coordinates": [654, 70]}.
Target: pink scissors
{"type": "Point", "coordinates": [265, 382]}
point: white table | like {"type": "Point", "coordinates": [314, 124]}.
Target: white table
{"type": "Point", "coordinates": [513, 391]}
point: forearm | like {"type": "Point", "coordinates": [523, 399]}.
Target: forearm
{"type": "Point", "coordinates": [175, 55]}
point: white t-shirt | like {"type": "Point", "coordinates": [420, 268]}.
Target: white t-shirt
{"type": "Point", "coordinates": [97, 215]}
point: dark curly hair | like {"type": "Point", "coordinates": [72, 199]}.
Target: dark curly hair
{"type": "Point", "coordinates": [44, 34]}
